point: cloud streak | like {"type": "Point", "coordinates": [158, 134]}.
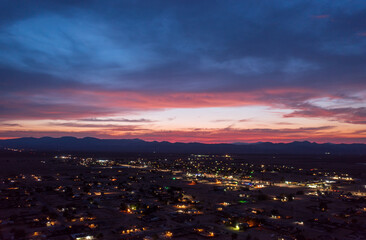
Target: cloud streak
{"type": "Point", "coordinates": [141, 120]}
{"type": "Point", "coordinates": [319, 134]}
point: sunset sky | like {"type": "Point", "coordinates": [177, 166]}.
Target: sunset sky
{"type": "Point", "coordinates": [184, 71]}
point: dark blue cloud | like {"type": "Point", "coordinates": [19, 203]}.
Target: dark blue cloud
{"type": "Point", "coordinates": [174, 46]}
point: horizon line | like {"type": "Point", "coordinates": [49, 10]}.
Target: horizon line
{"type": "Point", "coordinates": [172, 142]}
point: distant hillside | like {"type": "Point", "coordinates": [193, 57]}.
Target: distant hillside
{"type": "Point", "coordinates": [136, 145]}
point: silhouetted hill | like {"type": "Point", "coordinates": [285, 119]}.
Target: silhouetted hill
{"type": "Point", "coordinates": [90, 144]}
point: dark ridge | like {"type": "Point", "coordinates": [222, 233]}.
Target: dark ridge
{"type": "Point", "coordinates": [90, 144]}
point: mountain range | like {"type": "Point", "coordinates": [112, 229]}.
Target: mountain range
{"type": "Point", "coordinates": [89, 144]}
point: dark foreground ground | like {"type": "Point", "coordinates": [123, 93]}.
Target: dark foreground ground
{"type": "Point", "coordinates": [170, 196]}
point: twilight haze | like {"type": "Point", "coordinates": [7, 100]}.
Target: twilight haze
{"type": "Point", "coordinates": [204, 71]}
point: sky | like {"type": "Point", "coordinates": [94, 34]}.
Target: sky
{"type": "Point", "coordinates": [184, 70]}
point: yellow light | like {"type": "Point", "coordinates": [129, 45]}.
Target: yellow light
{"type": "Point", "coordinates": [168, 234]}
{"type": "Point", "coordinates": [92, 225]}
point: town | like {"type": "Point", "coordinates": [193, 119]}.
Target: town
{"type": "Point", "coordinates": [70, 196]}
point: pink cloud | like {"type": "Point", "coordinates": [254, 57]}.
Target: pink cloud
{"type": "Point", "coordinates": [92, 104]}
{"type": "Point", "coordinates": [348, 115]}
